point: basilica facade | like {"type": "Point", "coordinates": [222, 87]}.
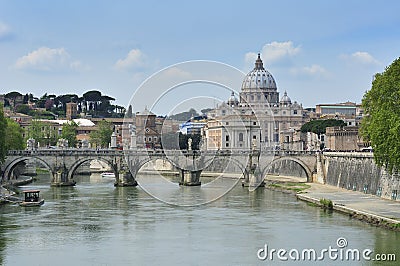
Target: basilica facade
{"type": "Point", "coordinates": [256, 118]}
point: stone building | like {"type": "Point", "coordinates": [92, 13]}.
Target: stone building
{"type": "Point", "coordinates": [343, 138]}
{"type": "Point", "coordinates": [349, 112]}
{"type": "Point", "coordinates": [259, 99]}
{"type": "Point", "coordinates": [232, 132]}
{"type": "Point", "coordinates": [71, 111]}
{"type": "Point", "coordinates": [147, 133]}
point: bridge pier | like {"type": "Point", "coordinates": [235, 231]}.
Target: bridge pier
{"type": "Point", "coordinates": [60, 178]}
{"type": "Point", "coordinates": [252, 174]}
{"type": "Point", "coordinates": [190, 178]}
{"type": "Point", "coordinates": [124, 178]}
{"type": "Point", "coordinates": [253, 178]}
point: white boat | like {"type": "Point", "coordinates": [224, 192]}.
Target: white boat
{"type": "Point", "coordinates": [107, 174]}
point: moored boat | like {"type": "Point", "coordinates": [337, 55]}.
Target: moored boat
{"type": "Point", "coordinates": [108, 174]}
{"type": "Point", "coordinates": [31, 199]}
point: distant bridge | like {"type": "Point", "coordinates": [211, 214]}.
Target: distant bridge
{"type": "Point", "coordinates": [63, 163]}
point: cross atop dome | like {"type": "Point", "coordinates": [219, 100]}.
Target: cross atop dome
{"type": "Point", "coordinates": [259, 63]}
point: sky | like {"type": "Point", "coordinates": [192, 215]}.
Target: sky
{"type": "Point", "coordinates": [317, 51]}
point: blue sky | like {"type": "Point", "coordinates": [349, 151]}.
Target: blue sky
{"type": "Point", "coordinates": [318, 51]}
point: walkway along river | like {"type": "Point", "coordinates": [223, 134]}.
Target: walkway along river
{"type": "Point", "coordinates": [95, 223]}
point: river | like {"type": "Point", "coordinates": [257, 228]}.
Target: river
{"type": "Point", "coordinates": [95, 223]}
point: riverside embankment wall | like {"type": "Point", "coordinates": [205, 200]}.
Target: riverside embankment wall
{"type": "Point", "coordinates": [358, 172]}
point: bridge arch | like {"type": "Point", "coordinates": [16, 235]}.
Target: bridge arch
{"type": "Point", "coordinates": [232, 159]}
{"type": "Point", "coordinates": [303, 165]}
{"type": "Point", "coordinates": [135, 164]}
{"type": "Point", "coordinates": [80, 161]}
{"type": "Point", "coordinates": [11, 165]}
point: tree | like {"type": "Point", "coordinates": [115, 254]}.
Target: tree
{"type": "Point", "coordinates": [3, 128]}
{"type": "Point", "coordinates": [23, 109]}
{"type": "Point", "coordinates": [13, 136]}
{"type": "Point", "coordinates": [381, 125]}
{"type": "Point", "coordinates": [206, 110]}
{"type": "Point", "coordinates": [41, 102]}
{"type": "Point", "coordinates": [185, 116]}
{"type": "Point", "coordinates": [69, 133]}
{"type": "Point", "coordinates": [49, 103]}
{"type": "Point", "coordinates": [13, 96]}
{"type": "Point", "coordinates": [319, 126]}
{"type": "Point", "coordinates": [129, 113]}
{"type": "Point", "coordinates": [102, 136]}
{"type": "Point", "coordinates": [44, 134]}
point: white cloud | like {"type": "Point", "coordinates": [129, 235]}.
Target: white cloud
{"type": "Point", "coordinates": [360, 58]}
{"type": "Point", "coordinates": [48, 59]}
{"type": "Point", "coordinates": [4, 31]}
{"type": "Point", "coordinates": [135, 59]}
{"type": "Point", "coordinates": [313, 70]}
{"type": "Point", "coordinates": [273, 52]}
{"type": "Point", "coordinates": [250, 58]}
{"type": "Point", "coordinates": [176, 73]}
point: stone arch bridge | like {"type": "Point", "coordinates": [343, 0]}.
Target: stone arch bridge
{"type": "Point", "coordinates": [62, 163]}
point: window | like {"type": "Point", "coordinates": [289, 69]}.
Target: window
{"type": "Point", "coordinates": [254, 137]}
{"type": "Point", "coordinates": [295, 112]}
{"type": "Point", "coordinates": [227, 138]}
{"type": "Point", "coordinates": [227, 123]}
{"type": "Point", "coordinates": [240, 136]}
{"type": "Point", "coordinates": [227, 144]}
{"type": "Point", "coordinates": [254, 123]}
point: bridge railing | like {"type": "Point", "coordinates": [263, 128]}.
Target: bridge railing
{"type": "Point", "coordinates": [157, 152]}
{"type": "Point", "coordinates": [59, 152]}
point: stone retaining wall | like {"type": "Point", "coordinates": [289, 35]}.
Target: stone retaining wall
{"type": "Point", "coordinates": [358, 172]}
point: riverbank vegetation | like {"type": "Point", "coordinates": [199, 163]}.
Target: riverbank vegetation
{"type": "Point", "coordinates": [326, 204]}
{"type": "Point", "coordinates": [10, 135]}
